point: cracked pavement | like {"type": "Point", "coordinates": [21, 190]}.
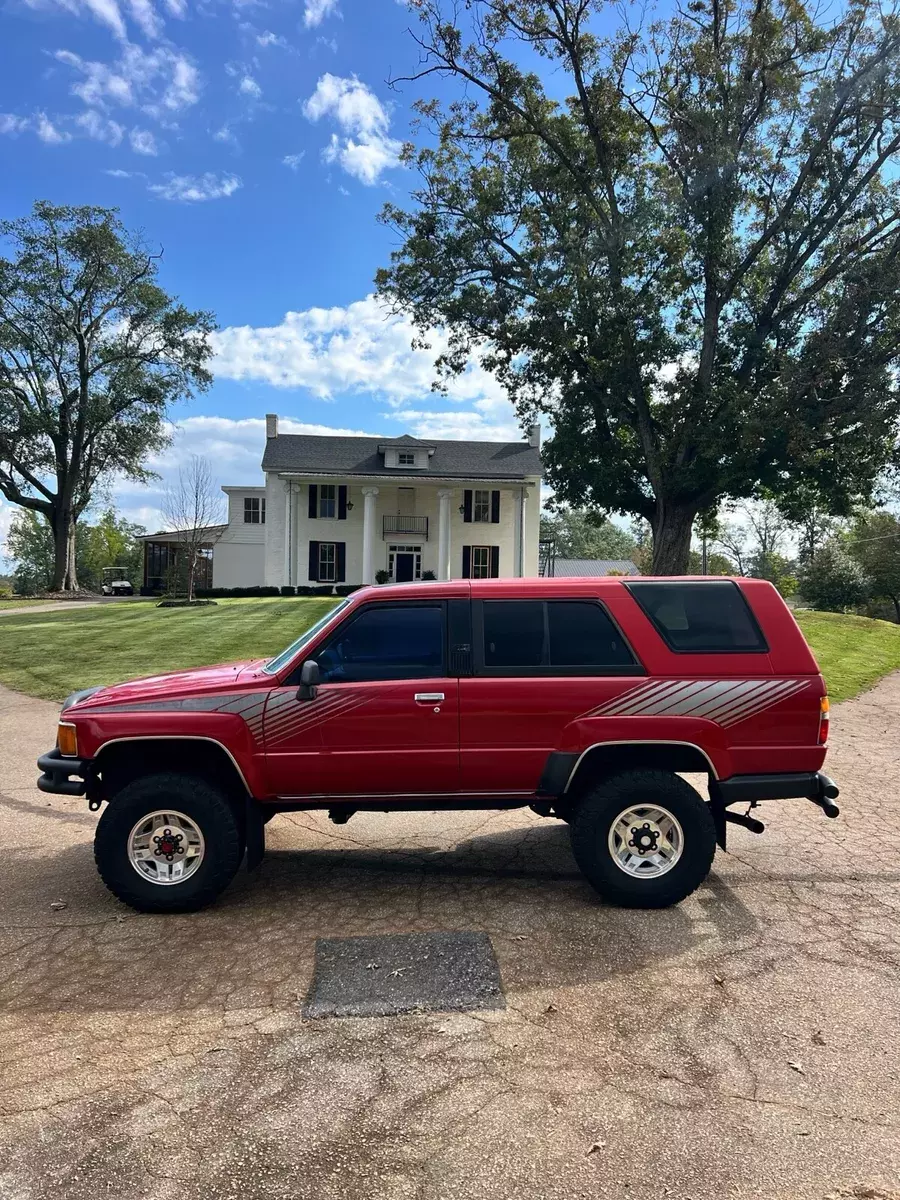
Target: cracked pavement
{"type": "Point", "coordinates": [740, 1045]}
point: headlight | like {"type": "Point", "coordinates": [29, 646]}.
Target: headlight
{"type": "Point", "coordinates": [67, 739]}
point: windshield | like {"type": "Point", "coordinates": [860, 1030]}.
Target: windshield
{"type": "Point", "coordinates": [274, 665]}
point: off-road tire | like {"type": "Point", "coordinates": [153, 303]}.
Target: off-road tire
{"type": "Point", "coordinates": [595, 815]}
{"type": "Point", "coordinates": [199, 800]}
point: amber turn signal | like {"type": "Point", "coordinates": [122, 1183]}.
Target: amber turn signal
{"type": "Point", "coordinates": [67, 740]}
{"type": "Point", "coordinates": [824, 708]}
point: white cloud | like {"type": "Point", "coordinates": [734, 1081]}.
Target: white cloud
{"type": "Point", "coordinates": [328, 43]}
{"type": "Point", "coordinates": [226, 134]}
{"type": "Point", "coordinates": [100, 128]}
{"type": "Point", "coordinates": [146, 17]}
{"type": "Point", "coordinates": [366, 150]}
{"type": "Point", "coordinates": [143, 142]}
{"type": "Point", "coordinates": [13, 125]}
{"type": "Point", "coordinates": [316, 11]}
{"type": "Point", "coordinates": [365, 349]}
{"type": "Point", "coordinates": [48, 132]}
{"type": "Point", "coordinates": [158, 80]}
{"type": "Point", "coordinates": [293, 160]}
{"type": "Point", "coordinates": [268, 38]}
{"type": "Point", "coordinates": [118, 173]}
{"type": "Point", "coordinates": [208, 186]}
{"type": "Point", "coordinates": [249, 87]}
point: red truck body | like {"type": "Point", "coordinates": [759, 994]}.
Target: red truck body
{"type": "Point", "coordinates": [463, 731]}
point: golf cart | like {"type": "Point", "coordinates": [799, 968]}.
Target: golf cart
{"type": "Point", "coordinates": [116, 582]}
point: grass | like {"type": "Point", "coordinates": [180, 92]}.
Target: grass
{"type": "Point", "coordinates": [50, 654]}
{"type": "Point", "coordinates": [853, 652]}
{"type": "Point", "coordinates": [21, 603]}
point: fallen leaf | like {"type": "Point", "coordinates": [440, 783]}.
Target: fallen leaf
{"type": "Point", "coordinates": [595, 1148]}
{"type": "Point", "coordinates": [795, 1066]}
{"type": "Point", "coordinates": [818, 1039]}
{"type": "Point", "coordinates": [58, 905]}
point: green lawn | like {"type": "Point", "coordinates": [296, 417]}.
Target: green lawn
{"type": "Point", "coordinates": [853, 652]}
{"type": "Point", "coordinates": [21, 603]}
{"type": "Point", "coordinates": [50, 654]}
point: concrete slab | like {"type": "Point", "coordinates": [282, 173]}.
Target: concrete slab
{"type": "Point", "coordinates": [401, 973]}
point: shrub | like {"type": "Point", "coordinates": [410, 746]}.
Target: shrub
{"type": "Point", "coordinates": [381, 576]}
{"type": "Point", "coordinates": [288, 590]}
{"type": "Point", "coordinates": [833, 581]}
{"type": "Point", "coordinates": [429, 575]}
{"type": "Point", "coordinates": [344, 589]}
{"type": "Point", "coordinates": [324, 589]}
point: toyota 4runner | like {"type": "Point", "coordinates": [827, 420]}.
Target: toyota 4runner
{"type": "Point", "coordinates": [587, 700]}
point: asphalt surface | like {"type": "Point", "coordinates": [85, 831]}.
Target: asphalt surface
{"type": "Point", "coordinates": [741, 1045]}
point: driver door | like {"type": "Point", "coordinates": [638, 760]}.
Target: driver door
{"type": "Point", "coordinates": [385, 720]}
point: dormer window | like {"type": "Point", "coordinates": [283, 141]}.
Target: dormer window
{"type": "Point", "coordinates": [406, 458]}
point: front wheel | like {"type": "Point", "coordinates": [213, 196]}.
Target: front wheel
{"type": "Point", "coordinates": [643, 839]}
{"type": "Point", "coordinates": [168, 843]}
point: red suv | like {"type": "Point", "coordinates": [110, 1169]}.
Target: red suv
{"type": "Point", "coordinates": [584, 699]}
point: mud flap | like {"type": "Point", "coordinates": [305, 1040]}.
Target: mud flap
{"type": "Point", "coordinates": [256, 834]}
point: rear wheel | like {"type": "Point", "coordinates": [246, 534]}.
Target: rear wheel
{"type": "Point", "coordinates": [168, 843]}
{"type": "Point", "coordinates": [644, 839]}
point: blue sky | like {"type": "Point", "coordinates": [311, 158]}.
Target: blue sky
{"type": "Point", "coordinates": [256, 142]}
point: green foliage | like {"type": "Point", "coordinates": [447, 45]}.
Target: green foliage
{"type": "Point", "coordinates": [382, 576]}
{"type": "Point", "coordinates": [92, 354]}
{"type": "Point", "coordinates": [833, 581]}
{"type": "Point", "coordinates": [852, 652]}
{"type": "Point", "coordinates": [578, 533]}
{"type": "Point", "coordinates": [681, 242]}
{"type": "Point", "coordinates": [875, 544]}
{"type": "Point", "coordinates": [111, 542]}
{"type": "Point", "coordinates": [716, 564]}
{"type": "Point", "coordinates": [30, 546]}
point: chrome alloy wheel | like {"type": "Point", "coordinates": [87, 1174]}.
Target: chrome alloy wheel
{"type": "Point", "coordinates": [166, 847]}
{"type": "Point", "coordinates": [646, 841]}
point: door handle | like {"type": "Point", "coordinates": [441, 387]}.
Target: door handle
{"type": "Point", "coordinates": [428, 697]}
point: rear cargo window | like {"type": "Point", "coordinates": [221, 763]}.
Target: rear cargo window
{"type": "Point", "coordinates": [701, 617]}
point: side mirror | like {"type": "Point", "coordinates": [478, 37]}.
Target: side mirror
{"type": "Point", "coordinates": [309, 680]}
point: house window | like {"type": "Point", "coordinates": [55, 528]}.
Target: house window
{"type": "Point", "coordinates": [327, 562]}
{"type": "Point", "coordinates": [254, 510]}
{"type": "Point", "coordinates": [481, 508]}
{"type": "Point", "coordinates": [327, 500]}
{"type": "Point", "coordinates": [481, 561]}
{"type": "Point", "coordinates": [406, 458]}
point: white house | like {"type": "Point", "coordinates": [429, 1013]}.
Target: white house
{"type": "Point", "coordinates": [340, 509]}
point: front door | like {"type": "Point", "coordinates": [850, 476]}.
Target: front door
{"type": "Point", "coordinates": [386, 716]}
{"type": "Point", "coordinates": [404, 563]}
{"type": "Point", "coordinates": [404, 568]}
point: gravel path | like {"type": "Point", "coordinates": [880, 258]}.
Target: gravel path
{"type": "Point", "coordinates": [739, 1047]}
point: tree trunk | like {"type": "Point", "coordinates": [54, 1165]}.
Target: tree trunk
{"type": "Point", "coordinates": [71, 583]}
{"type": "Point", "coordinates": [672, 528]}
{"type": "Point", "coordinates": [896, 601]}
{"type": "Point", "coordinates": [62, 524]}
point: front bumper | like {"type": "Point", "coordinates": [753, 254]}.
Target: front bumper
{"type": "Point", "coordinates": [55, 771]}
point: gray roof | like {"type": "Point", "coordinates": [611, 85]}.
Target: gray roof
{"type": "Point", "coordinates": [308, 455]}
{"type": "Point", "coordinates": [592, 567]}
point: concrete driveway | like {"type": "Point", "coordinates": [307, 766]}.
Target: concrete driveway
{"type": "Point", "coordinates": [742, 1045]}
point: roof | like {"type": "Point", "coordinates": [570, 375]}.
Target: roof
{"type": "Point", "coordinates": [592, 567]}
{"type": "Point", "coordinates": [310, 455]}
{"type": "Point", "coordinates": [163, 535]}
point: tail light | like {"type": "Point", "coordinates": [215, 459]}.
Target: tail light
{"type": "Point", "coordinates": [824, 708]}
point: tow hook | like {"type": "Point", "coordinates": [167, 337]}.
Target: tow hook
{"type": "Point", "coordinates": [828, 789]}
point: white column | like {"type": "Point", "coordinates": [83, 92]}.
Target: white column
{"type": "Point", "coordinates": [368, 554]}
{"type": "Point", "coordinates": [288, 522]}
{"type": "Point", "coordinates": [522, 503]}
{"type": "Point", "coordinates": [444, 497]}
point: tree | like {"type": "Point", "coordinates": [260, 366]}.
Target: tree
{"type": "Point", "coordinates": [581, 534]}
{"type": "Point", "coordinates": [734, 540]}
{"type": "Point", "coordinates": [684, 247]}
{"type": "Point", "coordinates": [111, 542]}
{"type": "Point", "coordinates": [30, 546]}
{"type": "Point", "coordinates": [92, 353]}
{"type": "Point", "coordinates": [875, 544]}
{"type": "Point", "coordinates": [768, 528]}
{"type": "Point", "coordinates": [835, 581]}
{"type": "Point", "coordinates": [190, 508]}
{"type": "Point", "coordinates": [716, 564]}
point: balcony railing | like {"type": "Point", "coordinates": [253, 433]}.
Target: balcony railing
{"type": "Point", "coordinates": [392, 525]}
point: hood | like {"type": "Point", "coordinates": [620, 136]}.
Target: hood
{"type": "Point", "coordinates": [173, 684]}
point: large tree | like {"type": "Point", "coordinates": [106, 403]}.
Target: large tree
{"type": "Point", "coordinates": [682, 242]}
{"type": "Point", "coordinates": [92, 353]}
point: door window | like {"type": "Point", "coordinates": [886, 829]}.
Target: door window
{"type": "Point", "coordinates": [386, 642]}
{"type": "Point", "coordinates": [556, 637]}
{"type": "Point", "coordinates": [582, 635]}
{"type": "Point", "coordinates": [513, 632]}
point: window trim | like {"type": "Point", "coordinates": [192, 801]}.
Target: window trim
{"type": "Point", "coordinates": [472, 552]}
{"type": "Point", "coordinates": [259, 518]}
{"type": "Point", "coordinates": [546, 670]}
{"type": "Point", "coordinates": [334, 562]}
{"type": "Point", "coordinates": [762, 648]}
{"type": "Point", "coordinates": [406, 458]}
{"type": "Point", "coordinates": [486, 520]}
{"type": "Point", "coordinates": [320, 500]}
{"type": "Point", "coordinates": [354, 615]}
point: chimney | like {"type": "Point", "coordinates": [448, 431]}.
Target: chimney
{"type": "Point", "coordinates": [271, 425]}
{"type": "Point", "coordinates": [534, 435]}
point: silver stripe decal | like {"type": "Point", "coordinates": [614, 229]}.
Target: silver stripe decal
{"type": "Point", "coordinates": [724, 701]}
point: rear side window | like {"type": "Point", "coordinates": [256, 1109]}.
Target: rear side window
{"type": "Point", "coordinates": [552, 637]}
{"type": "Point", "coordinates": [701, 618]}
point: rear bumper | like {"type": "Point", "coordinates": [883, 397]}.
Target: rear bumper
{"type": "Point", "coordinates": [55, 770]}
{"type": "Point", "coordinates": [807, 785]}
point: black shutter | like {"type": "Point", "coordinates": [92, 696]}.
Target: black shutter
{"type": "Point", "coordinates": [495, 562]}
{"type": "Point", "coordinates": [467, 507]}
{"type": "Point", "coordinates": [467, 560]}
{"type": "Point", "coordinates": [342, 502]}
{"type": "Point", "coordinates": [495, 508]}
{"type": "Point", "coordinates": [314, 561]}
{"type": "Point", "coordinates": [313, 501]}
{"type": "Point", "coordinates": [341, 560]}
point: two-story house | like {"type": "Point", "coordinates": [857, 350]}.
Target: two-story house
{"type": "Point", "coordinates": [341, 509]}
